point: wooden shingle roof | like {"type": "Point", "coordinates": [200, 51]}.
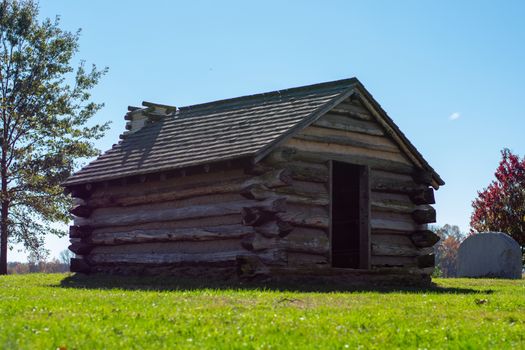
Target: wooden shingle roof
{"type": "Point", "coordinates": [242, 127]}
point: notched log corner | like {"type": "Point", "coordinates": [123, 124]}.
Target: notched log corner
{"type": "Point", "coordinates": [262, 212]}
{"type": "Point", "coordinates": [81, 248]}
{"type": "Point", "coordinates": [425, 196]}
{"type": "Point", "coordinates": [82, 211]}
{"type": "Point", "coordinates": [424, 239]}
{"type": "Point", "coordinates": [424, 216]}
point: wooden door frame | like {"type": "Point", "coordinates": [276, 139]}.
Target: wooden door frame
{"type": "Point", "coordinates": [364, 213]}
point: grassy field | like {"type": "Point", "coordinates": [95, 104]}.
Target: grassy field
{"type": "Point", "coordinates": [63, 312]}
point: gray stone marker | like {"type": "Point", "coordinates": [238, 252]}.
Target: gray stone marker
{"type": "Point", "coordinates": [490, 254]}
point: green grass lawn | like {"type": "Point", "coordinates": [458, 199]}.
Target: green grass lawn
{"type": "Point", "coordinates": [53, 311]}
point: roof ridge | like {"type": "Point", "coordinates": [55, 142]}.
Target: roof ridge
{"type": "Point", "coordinates": [269, 94]}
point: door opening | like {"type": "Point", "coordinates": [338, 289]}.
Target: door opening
{"type": "Point", "coordinates": [350, 211]}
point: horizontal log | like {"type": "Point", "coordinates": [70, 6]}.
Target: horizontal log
{"type": "Point", "coordinates": [351, 111]}
{"type": "Point", "coordinates": [424, 216]}
{"type": "Point", "coordinates": [292, 195]}
{"type": "Point", "coordinates": [382, 141]}
{"type": "Point", "coordinates": [297, 259]}
{"type": "Point", "coordinates": [284, 154]}
{"type": "Point", "coordinates": [119, 188]}
{"type": "Point", "coordinates": [172, 235]}
{"type": "Point", "coordinates": [428, 260]}
{"type": "Point", "coordinates": [425, 196]}
{"type": "Point", "coordinates": [271, 179]}
{"type": "Point", "coordinates": [379, 183]}
{"type": "Point", "coordinates": [274, 228]}
{"type": "Point", "coordinates": [346, 141]}
{"type": "Point", "coordinates": [82, 211]}
{"type": "Point", "coordinates": [80, 231]}
{"type": "Point", "coordinates": [393, 246]}
{"type": "Point", "coordinates": [175, 259]}
{"type": "Point", "coordinates": [309, 172]}
{"type": "Point", "coordinates": [338, 122]}
{"type": "Point", "coordinates": [81, 248]}
{"type": "Point", "coordinates": [344, 150]}
{"type": "Point", "coordinates": [392, 225]}
{"type": "Point", "coordinates": [233, 219]}
{"type": "Point", "coordinates": [164, 193]}
{"type": "Point", "coordinates": [392, 206]}
{"type": "Point", "coordinates": [165, 212]}
{"type": "Point", "coordinates": [168, 247]}
{"type": "Point", "coordinates": [424, 239]}
{"type": "Point", "coordinates": [306, 216]}
{"type": "Point", "coordinates": [79, 265]}
{"type": "Point", "coordinates": [312, 241]}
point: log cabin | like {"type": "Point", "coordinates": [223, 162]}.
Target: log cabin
{"type": "Point", "coordinates": [313, 181]}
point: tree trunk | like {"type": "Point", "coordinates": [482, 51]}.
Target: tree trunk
{"type": "Point", "coordinates": [5, 208]}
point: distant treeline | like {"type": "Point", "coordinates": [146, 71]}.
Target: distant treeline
{"type": "Point", "coordinates": [53, 266]}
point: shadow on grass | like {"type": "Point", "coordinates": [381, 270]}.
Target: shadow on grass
{"type": "Point", "coordinates": [163, 283]}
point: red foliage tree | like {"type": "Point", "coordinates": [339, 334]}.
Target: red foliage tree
{"type": "Point", "coordinates": [501, 206]}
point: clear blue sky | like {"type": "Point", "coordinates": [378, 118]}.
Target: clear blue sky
{"type": "Point", "coordinates": [451, 74]}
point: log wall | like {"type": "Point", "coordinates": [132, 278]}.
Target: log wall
{"type": "Point", "coordinates": [269, 218]}
{"type": "Point", "coordinates": [399, 200]}
{"type": "Point", "coordinates": [180, 222]}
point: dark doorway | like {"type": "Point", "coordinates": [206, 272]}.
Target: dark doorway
{"type": "Point", "coordinates": [350, 212]}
